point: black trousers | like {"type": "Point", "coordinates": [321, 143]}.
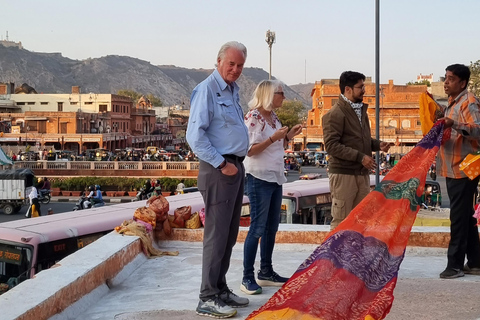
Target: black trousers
{"type": "Point", "coordinates": [223, 197]}
{"type": "Point", "coordinates": [464, 239]}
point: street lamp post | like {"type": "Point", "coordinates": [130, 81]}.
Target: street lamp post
{"type": "Point", "coordinates": [382, 95]}
{"type": "Point", "coordinates": [80, 118]}
{"type": "Point", "coordinates": [115, 127]}
{"type": "Point", "coordinates": [270, 39]}
{"type": "Point", "coordinates": [305, 138]}
{"type": "Point", "coordinates": [27, 128]}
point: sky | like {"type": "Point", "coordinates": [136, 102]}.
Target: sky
{"type": "Point", "coordinates": [315, 39]}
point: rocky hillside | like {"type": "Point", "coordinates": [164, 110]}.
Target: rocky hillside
{"type": "Point", "coordinates": [53, 73]}
{"type": "Point", "coordinates": [304, 90]}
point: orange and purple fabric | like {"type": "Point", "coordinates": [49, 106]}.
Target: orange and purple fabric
{"type": "Point", "coordinates": [353, 273]}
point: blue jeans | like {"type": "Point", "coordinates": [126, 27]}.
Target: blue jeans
{"type": "Point", "coordinates": [265, 202]}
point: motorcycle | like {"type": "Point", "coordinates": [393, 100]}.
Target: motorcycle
{"type": "Point", "coordinates": [84, 203]}
{"type": "Point", "coordinates": [143, 195]}
{"type": "Point", "coordinates": [44, 196]}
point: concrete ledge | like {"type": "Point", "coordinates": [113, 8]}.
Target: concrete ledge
{"type": "Point", "coordinates": [54, 290]}
{"type": "Point", "coordinates": [91, 298]}
{"type": "Point", "coordinates": [315, 234]}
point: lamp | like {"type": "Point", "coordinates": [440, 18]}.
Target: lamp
{"type": "Point", "coordinates": [114, 126]}
{"type": "Point", "coordinates": [27, 128]}
{"type": "Point", "coordinates": [270, 39]}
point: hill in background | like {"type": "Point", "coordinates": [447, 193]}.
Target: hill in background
{"type": "Point", "coordinates": [53, 73]}
{"type": "Point", "coordinates": [304, 90]}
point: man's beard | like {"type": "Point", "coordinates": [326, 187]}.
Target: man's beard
{"type": "Point", "coordinates": [357, 100]}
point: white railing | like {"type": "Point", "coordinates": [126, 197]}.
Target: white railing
{"type": "Point", "coordinates": [105, 165]}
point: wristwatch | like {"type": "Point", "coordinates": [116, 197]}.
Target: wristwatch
{"type": "Point", "coordinates": [222, 165]}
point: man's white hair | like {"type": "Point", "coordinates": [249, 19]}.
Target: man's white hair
{"type": "Point", "coordinates": [229, 45]}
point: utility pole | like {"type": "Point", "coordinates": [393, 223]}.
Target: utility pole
{"type": "Point", "coordinates": [377, 85]}
{"type": "Point", "coordinates": [270, 39]}
{"type": "Point", "coordinates": [305, 71]}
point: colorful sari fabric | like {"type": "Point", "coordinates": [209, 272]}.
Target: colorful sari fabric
{"type": "Point", "coordinates": [429, 111]}
{"type": "Point", "coordinates": [352, 274]}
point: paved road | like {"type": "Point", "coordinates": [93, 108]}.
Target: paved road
{"type": "Point", "coordinates": [57, 207]}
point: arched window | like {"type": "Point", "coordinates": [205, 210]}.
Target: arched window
{"type": "Point", "coordinates": [405, 124]}
{"type": "Point", "coordinates": [392, 123]}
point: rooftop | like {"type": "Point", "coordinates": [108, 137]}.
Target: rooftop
{"type": "Point", "coordinates": [113, 279]}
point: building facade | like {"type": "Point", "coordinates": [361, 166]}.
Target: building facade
{"type": "Point", "coordinates": [75, 121]}
{"type": "Point", "coordinates": [398, 110]}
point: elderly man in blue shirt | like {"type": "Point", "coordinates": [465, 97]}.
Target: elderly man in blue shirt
{"type": "Point", "coordinates": [217, 134]}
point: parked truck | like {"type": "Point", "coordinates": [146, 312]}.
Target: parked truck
{"type": "Point", "coordinates": [15, 186]}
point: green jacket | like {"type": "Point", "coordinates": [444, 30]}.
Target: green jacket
{"type": "Point", "coordinates": [157, 191]}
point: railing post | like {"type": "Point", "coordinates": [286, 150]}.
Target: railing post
{"type": "Point", "coordinates": [115, 165]}
{"type": "Point", "coordinates": [140, 165]}
{"type": "Point", "coordinates": [92, 165]}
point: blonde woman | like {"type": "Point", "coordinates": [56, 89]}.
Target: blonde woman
{"type": "Point", "coordinates": [264, 178]}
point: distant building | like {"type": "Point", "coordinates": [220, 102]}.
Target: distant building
{"type": "Point", "coordinates": [8, 43]}
{"type": "Point", "coordinates": [427, 77]}
{"type": "Point", "coordinates": [76, 121]}
{"type": "Point", "coordinates": [161, 112]}
{"type": "Point", "coordinates": [399, 114]}
{"type": "Point", "coordinates": [438, 92]}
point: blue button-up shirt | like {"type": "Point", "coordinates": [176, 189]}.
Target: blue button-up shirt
{"type": "Point", "coordinates": [216, 125]}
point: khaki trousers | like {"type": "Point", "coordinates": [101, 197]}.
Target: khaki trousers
{"type": "Point", "coordinates": [347, 191]}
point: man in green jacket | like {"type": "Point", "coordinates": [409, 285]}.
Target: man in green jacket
{"type": "Point", "coordinates": [348, 142]}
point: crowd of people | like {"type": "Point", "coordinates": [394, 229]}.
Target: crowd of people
{"type": "Point", "coordinates": [104, 155]}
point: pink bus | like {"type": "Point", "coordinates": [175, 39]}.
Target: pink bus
{"type": "Point", "coordinates": [308, 201]}
{"type": "Point", "coordinates": [28, 246]}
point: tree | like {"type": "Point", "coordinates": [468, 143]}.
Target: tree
{"type": "Point", "coordinates": [416, 83]}
{"type": "Point", "coordinates": [474, 84]}
{"type": "Point", "coordinates": [291, 113]}
{"type": "Point", "coordinates": [156, 102]}
{"type": "Point", "coordinates": [129, 93]}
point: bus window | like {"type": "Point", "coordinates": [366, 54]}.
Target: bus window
{"type": "Point", "coordinates": [15, 264]}
{"type": "Point", "coordinates": [308, 210]}
{"type": "Point", "coordinates": [86, 240]}
{"type": "Point", "coordinates": [324, 214]}
{"type": "Point", "coordinates": [49, 253]}
{"type": "Point", "coordinates": [287, 210]}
